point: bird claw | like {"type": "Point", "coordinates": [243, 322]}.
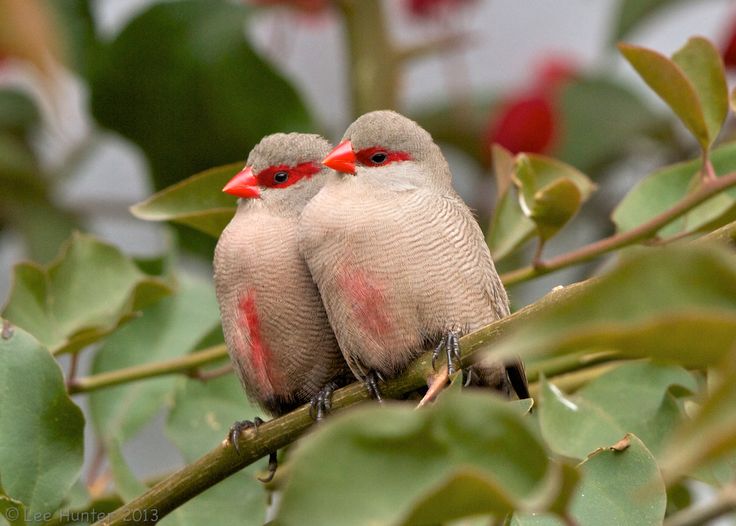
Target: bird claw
{"type": "Point", "coordinates": [450, 342]}
{"type": "Point", "coordinates": [273, 464]}
{"type": "Point", "coordinates": [238, 427]}
{"type": "Point", "coordinates": [371, 383]}
{"type": "Point", "coordinates": [467, 376]}
{"type": "Point", "coordinates": [321, 403]}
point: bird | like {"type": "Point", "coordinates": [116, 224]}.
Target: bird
{"type": "Point", "coordinates": [275, 326]}
{"type": "Point", "coordinates": [398, 257]}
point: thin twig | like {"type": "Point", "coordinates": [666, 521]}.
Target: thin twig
{"type": "Point", "coordinates": [181, 364]}
{"type": "Point", "coordinates": [72, 372]}
{"type": "Point", "coordinates": [724, 502]}
{"type": "Point", "coordinates": [211, 374]}
{"type": "Point", "coordinates": [643, 231]}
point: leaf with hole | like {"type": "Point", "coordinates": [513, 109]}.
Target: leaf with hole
{"type": "Point", "coordinates": [638, 398]}
{"type": "Point", "coordinates": [621, 484]}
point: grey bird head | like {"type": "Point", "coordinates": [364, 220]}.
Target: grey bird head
{"type": "Point", "coordinates": [283, 172]}
{"type": "Point", "coordinates": [387, 144]}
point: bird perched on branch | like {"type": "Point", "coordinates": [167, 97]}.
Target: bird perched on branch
{"type": "Point", "coordinates": [275, 327]}
{"type": "Point", "coordinates": [400, 262]}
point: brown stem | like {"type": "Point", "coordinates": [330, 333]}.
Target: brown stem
{"type": "Point", "coordinates": [707, 173]}
{"type": "Point", "coordinates": [643, 231]}
{"type": "Point", "coordinates": [72, 373]}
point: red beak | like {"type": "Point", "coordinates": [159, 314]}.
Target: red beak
{"type": "Point", "coordinates": [342, 158]}
{"type": "Point", "coordinates": [244, 184]}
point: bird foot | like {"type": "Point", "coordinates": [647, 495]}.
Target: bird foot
{"type": "Point", "coordinates": [238, 427]}
{"type": "Point", "coordinates": [321, 403]}
{"type": "Point", "coordinates": [450, 342]}
{"type": "Point", "coordinates": [371, 383]}
{"type": "Point", "coordinates": [273, 464]}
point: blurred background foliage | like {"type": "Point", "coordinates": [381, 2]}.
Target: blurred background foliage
{"type": "Point", "coordinates": [169, 97]}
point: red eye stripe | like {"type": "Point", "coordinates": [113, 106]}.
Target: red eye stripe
{"type": "Point", "coordinates": [364, 156]}
{"type": "Point", "coordinates": [266, 178]}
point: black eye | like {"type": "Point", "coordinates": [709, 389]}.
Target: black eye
{"type": "Point", "coordinates": [280, 177]}
{"type": "Point", "coordinates": [379, 157]}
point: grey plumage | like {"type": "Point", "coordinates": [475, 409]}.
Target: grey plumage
{"type": "Point", "coordinates": [276, 329]}
{"type": "Point", "coordinates": [397, 255]}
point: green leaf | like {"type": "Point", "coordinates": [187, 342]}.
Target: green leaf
{"type": "Point", "coordinates": [602, 121]}
{"type": "Point", "coordinates": [655, 302]}
{"type": "Point", "coordinates": [203, 412]}
{"type": "Point", "coordinates": [551, 192]}
{"type": "Point", "coordinates": [168, 329]}
{"type": "Point", "coordinates": [41, 429]}
{"type": "Point", "coordinates": [74, 18]}
{"type": "Point", "coordinates": [554, 206]}
{"type": "Point", "coordinates": [199, 420]}
{"type": "Point", "coordinates": [709, 437]}
{"type": "Point", "coordinates": [692, 84]}
{"type": "Point", "coordinates": [633, 398]}
{"type": "Point", "coordinates": [540, 200]}
{"type": "Point", "coordinates": [198, 201]}
{"type": "Point", "coordinates": [82, 296]}
{"type": "Point", "coordinates": [620, 485]}
{"type": "Point", "coordinates": [464, 493]}
{"type": "Point", "coordinates": [18, 113]}
{"type": "Point", "coordinates": [661, 190]}
{"type": "Point", "coordinates": [510, 228]}
{"type": "Point", "coordinates": [25, 202]}
{"type": "Point", "coordinates": [631, 13]}
{"type": "Point", "coordinates": [401, 457]}
{"type": "Point", "coordinates": [200, 97]}
{"type": "Point", "coordinates": [702, 64]}
{"type": "Point", "coordinates": [574, 427]}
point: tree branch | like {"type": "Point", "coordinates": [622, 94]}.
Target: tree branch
{"type": "Point", "coordinates": [181, 364]}
{"type": "Point", "coordinates": [374, 68]}
{"type": "Point", "coordinates": [706, 191]}
{"type": "Point", "coordinates": [223, 461]}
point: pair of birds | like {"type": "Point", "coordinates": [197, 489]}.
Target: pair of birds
{"type": "Point", "coordinates": [350, 263]}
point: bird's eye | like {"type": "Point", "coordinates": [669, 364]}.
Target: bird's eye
{"type": "Point", "coordinates": [379, 157]}
{"type": "Point", "coordinates": [280, 177]}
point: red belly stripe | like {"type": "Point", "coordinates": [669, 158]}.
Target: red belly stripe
{"type": "Point", "coordinates": [260, 355]}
